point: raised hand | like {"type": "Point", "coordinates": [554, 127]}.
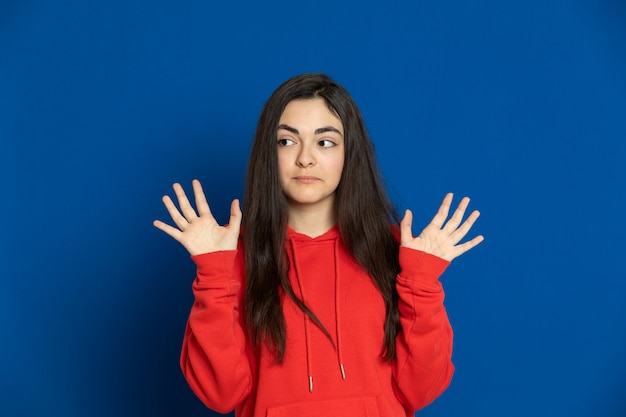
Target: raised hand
{"type": "Point", "coordinates": [200, 233]}
{"type": "Point", "coordinates": [441, 238]}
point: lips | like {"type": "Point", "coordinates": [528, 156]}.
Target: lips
{"type": "Point", "coordinates": [307, 179]}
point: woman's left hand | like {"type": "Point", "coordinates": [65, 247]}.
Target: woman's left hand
{"type": "Point", "coordinates": [441, 238]}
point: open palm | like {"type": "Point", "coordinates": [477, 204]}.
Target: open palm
{"type": "Point", "coordinates": [441, 238]}
{"type": "Point", "coordinates": [199, 232]}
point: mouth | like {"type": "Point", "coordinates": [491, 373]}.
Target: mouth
{"type": "Point", "coordinates": [306, 179]}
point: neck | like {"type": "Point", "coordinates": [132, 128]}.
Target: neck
{"type": "Point", "coordinates": [311, 221]}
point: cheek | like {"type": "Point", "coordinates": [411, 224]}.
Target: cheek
{"type": "Point", "coordinates": [282, 163]}
{"type": "Point", "coordinates": [337, 167]}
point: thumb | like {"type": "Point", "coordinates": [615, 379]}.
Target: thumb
{"type": "Point", "coordinates": [235, 216]}
{"type": "Point", "coordinates": [405, 226]}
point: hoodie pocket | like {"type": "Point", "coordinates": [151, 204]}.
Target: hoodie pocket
{"type": "Point", "coordinates": [343, 407]}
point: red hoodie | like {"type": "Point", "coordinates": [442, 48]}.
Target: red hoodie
{"type": "Point", "coordinates": [317, 378]}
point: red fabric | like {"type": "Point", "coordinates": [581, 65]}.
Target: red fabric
{"type": "Point", "coordinates": [219, 364]}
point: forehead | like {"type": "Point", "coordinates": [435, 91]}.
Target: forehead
{"type": "Point", "coordinates": [310, 113]}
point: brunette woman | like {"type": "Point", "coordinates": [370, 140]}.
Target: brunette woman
{"type": "Point", "coordinates": [318, 305]}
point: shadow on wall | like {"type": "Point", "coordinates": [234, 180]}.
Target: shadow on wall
{"type": "Point", "coordinates": [140, 369]}
{"type": "Point", "coordinates": [137, 338]}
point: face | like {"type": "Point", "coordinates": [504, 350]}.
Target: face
{"type": "Point", "coordinates": [310, 140]}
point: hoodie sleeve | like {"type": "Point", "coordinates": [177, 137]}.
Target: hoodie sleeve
{"type": "Point", "coordinates": [213, 358]}
{"type": "Point", "coordinates": [423, 367]}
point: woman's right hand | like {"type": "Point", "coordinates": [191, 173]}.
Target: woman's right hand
{"type": "Point", "coordinates": [200, 233]}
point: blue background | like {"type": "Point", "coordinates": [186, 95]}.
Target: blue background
{"type": "Point", "coordinates": [104, 104]}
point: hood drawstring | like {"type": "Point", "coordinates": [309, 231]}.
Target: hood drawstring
{"type": "Point", "coordinates": [307, 320]}
{"type": "Point", "coordinates": [337, 322]}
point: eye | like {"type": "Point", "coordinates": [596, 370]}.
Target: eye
{"type": "Point", "coordinates": [285, 142]}
{"type": "Point", "coordinates": [325, 143]}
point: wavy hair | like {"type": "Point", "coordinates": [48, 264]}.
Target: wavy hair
{"type": "Point", "coordinates": [363, 213]}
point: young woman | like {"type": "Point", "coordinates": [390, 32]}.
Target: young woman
{"type": "Point", "coordinates": [317, 305]}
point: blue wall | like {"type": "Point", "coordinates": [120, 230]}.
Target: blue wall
{"type": "Point", "coordinates": [103, 104]}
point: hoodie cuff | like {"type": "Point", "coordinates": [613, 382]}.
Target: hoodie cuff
{"type": "Point", "coordinates": [421, 267]}
{"type": "Point", "coordinates": [215, 266]}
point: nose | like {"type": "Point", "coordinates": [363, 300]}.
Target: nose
{"type": "Point", "coordinates": [306, 157]}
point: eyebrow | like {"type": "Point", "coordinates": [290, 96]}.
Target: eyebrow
{"type": "Point", "coordinates": [317, 131]}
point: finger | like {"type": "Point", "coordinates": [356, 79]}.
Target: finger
{"type": "Point", "coordinates": [172, 231]}
{"type": "Point", "coordinates": [405, 227]}
{"type": "Point", "coordinates": [442, 213]}
{"type": "Point", "coordinates": [201, 204]}
{"type": "Point", "coordinates": [457, 217]}
{"type": "Point", "coordinates": [461, 249]}
{"type": "Point", "coordinates": [183, 202]}
{"type": "Point", "coordinates": [460, 233]}
{"type": "Point", "coordinates": [235, 216]}
{"type": "Point", "coordinates": [178, 218]}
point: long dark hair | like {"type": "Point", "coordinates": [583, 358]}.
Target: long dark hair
{"type": "Point", "coordinates": [362, 210]}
